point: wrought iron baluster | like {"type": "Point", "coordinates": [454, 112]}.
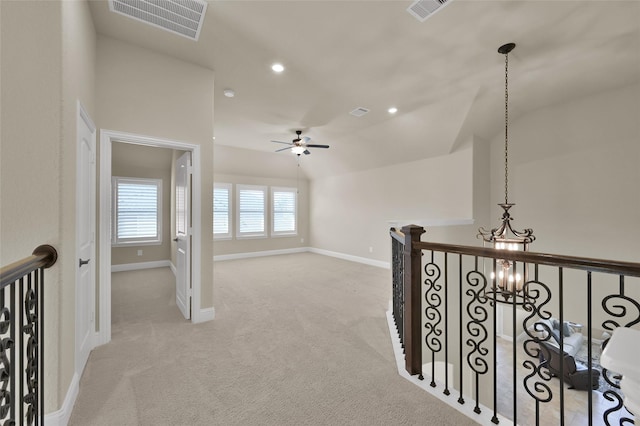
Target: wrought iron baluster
{"type": "Point", "coordinates": [432, 312]}
{"type": "Point", "coordinates": [589, 348]}
{"type": "Point", "coordinates": [494, 418]}
{"type": "Point", "coordinates": [13, 350]}
{"type": "Point", "coordinates": [6, 345]}
{"type": "Point", "coordinates": [476, 358]}
{"type": "Point", "coordinates": [20, 352]}
{"type": "Point", "coordinates": [446, 324]}
{"type": "Point", "coordinates": [460, 334]}
{"type": "Point", "coordinates": [32, 361]}
{"type": "Point", "coordinates": [622, 308]}
{"type": "Point", "coordinates": [536, 383]}
{"type": "Point", "coordinates": [561, 304]}
{"type": "Point", "coordinates": [41, 340]}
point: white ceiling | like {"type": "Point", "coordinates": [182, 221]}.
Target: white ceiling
{"type": "Point", "coordinates": [444, 75]}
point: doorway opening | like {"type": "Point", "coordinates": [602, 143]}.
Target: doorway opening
{"type": "Point", "coordinates": [107, 140]}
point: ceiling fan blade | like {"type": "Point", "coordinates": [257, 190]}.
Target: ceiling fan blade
{"type": "Point", "coordinates": [282, 149]}
{"type": "Point", "coordinates": [307, 152]}
{"type": "Point", "coordinates": [287, 143]}
{"type": "Point", "coordinates": [317, 146]}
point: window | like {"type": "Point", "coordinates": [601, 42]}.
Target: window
{"type": "Point", "coordinates": [251, 210]}
{"type": "Point", "coordinates": [137, 211]}
{"type": "Point", "coordinates": [221, 210]}
{"type": "Point", "coordinates": [284, 204]}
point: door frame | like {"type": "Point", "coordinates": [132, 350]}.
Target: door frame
{"type": "Point", "coordinates": [83, 117]}
{"type": "Point", "coordinates": [107, 138]}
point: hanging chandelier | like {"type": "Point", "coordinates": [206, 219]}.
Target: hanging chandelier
{"type": "Point", "coordinates": [507, 284]}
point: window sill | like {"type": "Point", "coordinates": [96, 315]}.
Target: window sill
{"type": "Point", "coordinates": [284, 235]}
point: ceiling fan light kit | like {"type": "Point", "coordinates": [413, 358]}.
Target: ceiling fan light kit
{"type": "Point", "coordinates": [299, 145]}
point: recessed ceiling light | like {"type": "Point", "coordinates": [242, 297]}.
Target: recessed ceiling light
{"type": "Point", "coordinates": [277, 67]}
{"type": "Point", "coordinates": [392, 110]}
{"type": "Point", "coordinates": [229, 93]}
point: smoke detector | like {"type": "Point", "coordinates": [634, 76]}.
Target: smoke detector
{"type": "Point", "coordinates": [422, 9]}
{"type": "Point", "coordinates": [182, 17]}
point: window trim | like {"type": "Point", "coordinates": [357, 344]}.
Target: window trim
{"type": "Point", "coordinates": [247, 235]}
{"type": "Point", "coordinates": [294, 191]}
{"type": "Point", "coordinates": [140, 241]}
{"type": "Point", "coordinates": [229, 234]}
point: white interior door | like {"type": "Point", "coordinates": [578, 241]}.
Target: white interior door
{"type": "Point", "coordinates": [183, 234]}
{"type": "Point", "coordinates": [85, 238]}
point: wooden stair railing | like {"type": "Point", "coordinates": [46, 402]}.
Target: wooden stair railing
{"type": "Point", "coordinates": [22, 338]}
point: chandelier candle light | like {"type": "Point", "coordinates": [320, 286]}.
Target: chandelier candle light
{"type": "Point", "coordinates": [507, 283]}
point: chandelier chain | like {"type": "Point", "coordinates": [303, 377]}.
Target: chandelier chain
{"type": "Point", "coordinates": [506, 128]}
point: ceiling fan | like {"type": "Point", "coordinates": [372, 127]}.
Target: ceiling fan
{"type": "Point", "coordinates": [300, 144]}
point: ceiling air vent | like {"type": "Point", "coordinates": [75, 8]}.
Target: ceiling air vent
{"type": "Point", "coordinates": [182, 17]}
{"type": "Point", "coordinates": [359, 112]}
{"type": "Point", "coordinates": [422, 9]}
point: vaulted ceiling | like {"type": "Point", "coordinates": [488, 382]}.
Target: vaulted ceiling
{"type": "Point", "coordinates": [444, 75]}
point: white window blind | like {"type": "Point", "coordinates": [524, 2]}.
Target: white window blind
{"type": "Point", "coordinates": [221, 210]}
{"type": "Point", "coordinates": [251, 210]}
{"type": "Point", "coordinates": [137, 211]}
{"type": "Point", "coordinates": [284, 210]}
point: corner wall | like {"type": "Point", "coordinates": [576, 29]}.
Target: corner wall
{"type": "Point", "coordinates": [48, 64]}
{"type": "Point", "coordinates": [352, 213]}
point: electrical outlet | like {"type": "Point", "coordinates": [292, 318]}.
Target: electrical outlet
{"type": "Point", "coordinates": [139, 252]}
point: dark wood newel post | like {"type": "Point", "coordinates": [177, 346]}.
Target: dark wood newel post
{"type": "Point", "coordinates": [412, 299]}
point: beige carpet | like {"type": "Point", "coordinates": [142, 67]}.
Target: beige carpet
{"type": "Point", "coordinates": [297, 340]}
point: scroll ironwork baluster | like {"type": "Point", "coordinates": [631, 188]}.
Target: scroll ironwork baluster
{"type": "Point", "coordinates": [460, 334]}
{"type": "Point", "coordinates": [536, 383]}
{"type": "Point", "coordinates": [478, 314]}
{"type": "Point", "coordinates": [446, 324]}
{"type": "Point", "coordinates": [617, 306]}
{"type": "Point", "coordinates": [432, 313]}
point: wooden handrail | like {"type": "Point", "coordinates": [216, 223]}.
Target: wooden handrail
{"type": "Point", "coordinates": [582, 263]}
{"type": "Point", "coordinates": [44, 256]}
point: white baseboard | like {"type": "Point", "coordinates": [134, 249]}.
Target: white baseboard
{"type": "Point", "coordinates": [173, 268]}
{"type": "Point", "coordinates": [62, 416]}
{"type": "Point", "coordinates": [141, 265]}
{"type": "Point", "coordinates": [358, 259]}
{"type": "Point", "coordinates": [259, 254]}
{"type": "Point", "coordinates": [207, 314]}
{"type": "Point", "coordinates": [349, 257]}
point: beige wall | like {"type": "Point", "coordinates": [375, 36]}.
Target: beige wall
{"type": "Point", "coordinates": [79, 64]}
{"type": "Point", "coordinates": [574, 176]}
{"type": "Point", "coordinates": [128, 160]}
{"type": "Point", "coordinates": [141, 92]}
{"type": "Point", "coordinates": [352, 213]}
{"type": "Point", "coordinates": [48, 63]}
